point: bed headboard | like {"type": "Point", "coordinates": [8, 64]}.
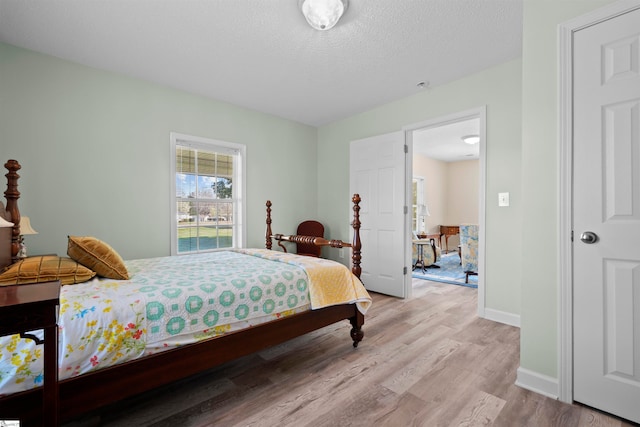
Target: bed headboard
{"type": "Point", "coordinates": [10, 237]}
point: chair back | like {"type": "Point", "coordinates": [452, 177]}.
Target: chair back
{"type": "Point", "coordinates": [309, 228]}
{"type": "Point", "coordinates": [469, 247]}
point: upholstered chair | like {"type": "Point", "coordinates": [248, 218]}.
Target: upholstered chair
{"type": "Point", "coordinates": [469, 249]}
{"type": "Point", "coordinates": [309, 228]}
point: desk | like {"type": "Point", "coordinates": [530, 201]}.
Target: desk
{"type": "Point", "coordinates": [447, 231]}
{"type": "Point", "coordinates": [31, 307]}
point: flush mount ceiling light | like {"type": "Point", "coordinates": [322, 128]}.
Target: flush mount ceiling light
{"type": "Point", "coordinates": [323, 14]}
{"type": "Point", "coordinates": [471, 139]}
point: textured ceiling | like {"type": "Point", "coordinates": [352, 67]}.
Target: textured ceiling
{"type": "Point", "coordinates": [261, 54]}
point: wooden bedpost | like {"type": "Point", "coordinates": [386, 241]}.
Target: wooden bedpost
{"type": "Point", "coordinates": [358, 320]}
{"type": "Point", "coordinates": [12, 195]}
{"type": "Point", "coordinates": [268, 242]}
{"type": "Point", "coordinates": [356, 255]}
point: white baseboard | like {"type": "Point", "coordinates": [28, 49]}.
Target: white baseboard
{"type": "Point", "coordinates": [502, 317]}
{"type": "Point", "coordinates": [538, 383]}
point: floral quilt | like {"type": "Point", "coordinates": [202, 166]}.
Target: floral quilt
{"type": "Point", "coordinates": [104, 322]}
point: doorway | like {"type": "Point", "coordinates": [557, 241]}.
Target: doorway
{"type": "Point", "coordinates": [444, 157]}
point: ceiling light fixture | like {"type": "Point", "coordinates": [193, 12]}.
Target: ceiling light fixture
{"type": "Point", "coordinates": [323, 14]}
{"type": "Point", "coordinates": [471, 139]}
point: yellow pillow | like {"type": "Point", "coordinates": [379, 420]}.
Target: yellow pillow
{"type": "Point", "coordinates": [44, 269]}
{"type": "Point", "coordinates": [98, 256]}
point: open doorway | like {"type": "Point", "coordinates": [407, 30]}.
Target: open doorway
{"type": "Point", "coordinates": [447, 175]}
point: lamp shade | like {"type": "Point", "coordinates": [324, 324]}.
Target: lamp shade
{"type": "Point", "coordinates": [423, 210]}
{"type": "Point", "coordinates": [4, 223]}
{"type": "Point", "coordinates": [323, 14]}
{"type": "Point", "coordinates": [25, 226]}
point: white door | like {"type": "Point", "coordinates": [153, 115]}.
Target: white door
{"type": "Point", "coordinates": [606, 202]}
{"type": "Point", "coordinates": [377, 173]}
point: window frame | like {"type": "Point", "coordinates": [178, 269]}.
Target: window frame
{"type": "Point", "coordinates": [418, 200]}
{"type": "Point", "coordinates": [239, 152]}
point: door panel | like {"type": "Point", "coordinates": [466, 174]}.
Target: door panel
{"type": "Point", "coordinates": [377, 171]}
{"type": "Point", "coordinates": [619, 289]}
{"type": "Point", "coordinates": [606, 201]}
{"type": "Point", "coordinates": [619, 122]}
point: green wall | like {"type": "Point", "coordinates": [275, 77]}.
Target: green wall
{"type": "Point", "coordinates": [540, 286]}
{"type": "Point", "coordinates": [94, 149]}
{"type": "Point", "coordinates": [499, 88]}
{"type": "Point", "coordinates": [94, 146]}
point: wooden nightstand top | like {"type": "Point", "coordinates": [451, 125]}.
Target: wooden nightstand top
{"type": "Point", "coordinates": [45, 292]}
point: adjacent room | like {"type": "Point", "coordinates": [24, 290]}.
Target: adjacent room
{"type": "Point", "coordinates": [446, 179]}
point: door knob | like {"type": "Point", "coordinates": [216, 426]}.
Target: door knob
{"type": "Point", "coordinates": [589, 237]}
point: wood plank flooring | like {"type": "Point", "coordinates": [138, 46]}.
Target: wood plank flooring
{"type": "Point", "coordinates": [428, 361]}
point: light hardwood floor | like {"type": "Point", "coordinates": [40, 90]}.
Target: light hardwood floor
{"type": "Point", "coordinates": [428, 361]}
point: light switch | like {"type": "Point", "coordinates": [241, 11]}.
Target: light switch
{"type": "Point", "coordinates": [503, 199]}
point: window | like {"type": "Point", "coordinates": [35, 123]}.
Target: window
{"type": "Point", "coordinates": [417, 223]}
{"type": "Point", "coordinates": [207, 188]}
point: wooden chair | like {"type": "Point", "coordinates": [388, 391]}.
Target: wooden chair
{"type": "Point", "coordinates": [309, 228]}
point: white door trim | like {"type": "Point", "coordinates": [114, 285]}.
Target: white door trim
{"type": "Point", "coordinates": [481, 113]}
{"type": "Point", "coordinates": [565, 172]}
{"type": "Point", "coordinates": [408, 196]}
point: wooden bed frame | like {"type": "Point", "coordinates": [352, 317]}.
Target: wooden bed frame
{"type": "Point", "coordinates": [88, 392]}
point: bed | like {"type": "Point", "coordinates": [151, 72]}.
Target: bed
{"type": "Point", "coordinates": [165, 325]}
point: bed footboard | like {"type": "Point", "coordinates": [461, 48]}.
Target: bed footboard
{"type": "Point", "coordinates": [356, 245]}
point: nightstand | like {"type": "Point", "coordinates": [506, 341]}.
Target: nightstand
{"type": "Point", "coordinates": [30, 307]}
